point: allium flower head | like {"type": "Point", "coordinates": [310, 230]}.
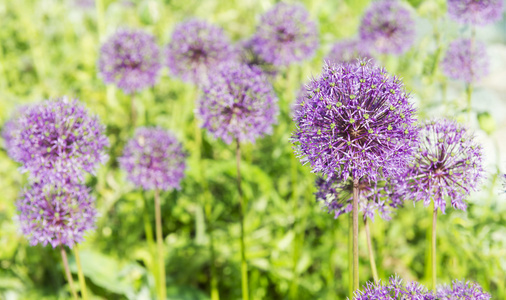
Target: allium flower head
{"type": "Point", "coordinates": [238, 103]}
{"type": "Point", "coordinates": [394, 290]}
{"type": "Point", "coordinates": [59, 137]}
{"type": "Point", "coordinates": [466, 60]}
{"type": "Point", "coordinates": [379, 196]}
{"type": "Point", "coordinates": [461, 290]}
{"type": "Point", "coordinates": [56, 213]}
{"type": "Point", "coordinates": [196, 48]}
{"type": "Point", "coordinates": [285, 35]}
{"type": "Point", "coordinates": [388, 26]}
{"type": "Point", "coordinates": [355, 120]}
{"type": "Point", "coordinates": [349, 51]}
{"type": "Point", "coordinates": [249, 57]}
{"type": "Point", "coordinates": [130, 59]}
{"type": "Point", "coordinates": [448, 163]}
{"type": "Point", "coordinates": [475, 12]}
{"type": "Point", "coordinates": [154, 159]}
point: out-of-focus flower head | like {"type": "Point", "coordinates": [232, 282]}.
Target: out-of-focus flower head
{"type": "Point", "coordinates": [238, 103]}
{"type": "Point", "coordinates": [475, 12]}
{"type": "Point", "coordinates": [196, 48]}
{"type": "Point", "coordinates": [285, 35]}
{"type": "Point", "coordinates": [349, 51]}
{"type": "Point", "coordinates": [388, 26]}
{"type": "Point", "coordinates": [466, 60]}
{"type": "Point", "coordinates": [130, 59]}
{"type": "Point", "coordinates": [154, 159]}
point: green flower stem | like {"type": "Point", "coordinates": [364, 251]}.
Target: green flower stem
{"type": "Point", "coordinates": [350, 256]}
{"type": "Point", "coordinates": [133, 111]}
{"type": "Point", "coordinates": [355, 234]}
{"type": "Point", "coordinates": [371, 252]}
{"type": "Point", "coordinates": [159, 241]}
{"type": "Point", "coordinates": [82, 280]}
{"type": "Point", "coordinates": [151, 242]}
{"type": "Point", "coordinates": [469, 92]}
{"type": "Point", "coordinates": [99, 5]}
{"type": "Point", "coordinates": [67, 272]}
{"type": "Point", "coordinates": [244, 265]}
{"type": "Point", "coordinates": [433, 253]}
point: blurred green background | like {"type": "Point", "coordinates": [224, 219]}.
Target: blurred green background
{"type": "Point", "coordinates": [49, 48]}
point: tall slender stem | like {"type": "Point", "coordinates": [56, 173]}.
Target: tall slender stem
{"type": "Point", "coordinates": [244, 265]}
{"type": "Point", "coordinates": [371, 252]}
{"type": "Point", "coordinates": [67, 272]}
{"type": "Point", "coordinates": [133, 111]}
{"type": "Point", "coordinates": [159, 242]}
{"type": "Point", "coordinates": [350, 256]}
{"type": "Point", "coordinates": [355, 234]}
{"type": "Point", "coordinates": [151, 243]}
{"type": "Point", "coordinates": [433, 253]}
{"type": "Point", "coordinates": [80, 275]}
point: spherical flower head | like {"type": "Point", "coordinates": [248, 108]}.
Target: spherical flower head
{"type": "Point", "coordinates": [154, 159]}
{"type": "Point", "coordinates": [58, 138]}
{"type": "Point", "coordinates": [388, 26]}
{"type": "Point", "coordinates": [355, 120]}
{"type": "Point", "coordinates": [448, 163]}
{"type": "Point", "coordinates": [130, 59]}
{"type": "Point", "coordinates": [349, 51]}
{"type": "Point", "coordinates": [239, 103]}
{"type": "Point", "coordinates": [460, 290]}
{"type": "Point", "coordinates": [249, 57]}
{"type": "Point", "coordinates": [374, 197]}
{"type": "Point", "coordinates": [285, 35]}
{"type": "Point", "coordinates": [196, 48]}
{"type": "Point", "coordinates": [475, 12]}
{"type": "Point", "coordinates": [56, 213]}
{"type": "Point", "coordinates": [466, 60]}
{"type": "Point", "coordinates": [394, 289]}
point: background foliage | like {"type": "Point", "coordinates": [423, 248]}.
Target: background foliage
{"type": "Point", "coordinates": [49, 48]}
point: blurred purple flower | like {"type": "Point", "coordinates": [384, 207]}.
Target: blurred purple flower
{"type": "Point", "coordinates": [388, 26]}
{"type": "Point", "coordinates": [56, 213]}
{"type": "Point", "coordinates": [475, 12]}
{"type": "Point", "coordinates": [285, 35]}
{"type": "Point", "coordinates": [379, 196]}
{"type": "Point", "coordinates": [10, 134]}
{"type": "Point", "coordinates": [349, 51]}
{"type": "Point", "coordinates": [154, 159]}
{"type": "Point", "coordinates": [355, 120]}
{"type": "Point", "coordinates": [130, 59]}
{"type": "Point", "coordinates": [448, 163]}
{"type": "Point", "coordinates": [59, 138]}
{"type": "Point", "coordinates": [462, 290]}
{"type": "Point", "coordinates": [196, 48]}
{"type": "Point", "coordinates": [252, 59]}
{"type": "Point", "coordinates": [238, 103]}
{"type": "Point", "coordinates": [394, 290]}
{"type": "Point", "coordinates": [466, 60]}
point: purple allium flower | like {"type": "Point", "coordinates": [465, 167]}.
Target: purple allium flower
{"type": "Point", "coordinates": [379, 196]}
{"type": "Point", "coordinates": [388, 26]}
{"type": "Point", "coordinates": [285, 35]}
{"type": "Point", "coordinates": [10, 134]}
{"type": "Point", "coordinates": [355, 121]}
{"type": "Point", "coordinates": [56, 213]}
{"type": "Point", "coordinates": [130, 59]}
{"type": "Point", "coordinates": [476, 12]}
{"type": "Point", "coordinates": [394, 290]}
{"type": "Point", "coordinates": [154, 159]}
{"type": "Point", "coordinates": [448, 163]}
{"type": "Point", "coordinates": [466, 60]}
{"type": "Point", "coordinates": [59, 138]}
{"type": "Point", "coordinates": [252, 59]}
{"type": "Point", "coordinates": [349, 51]}
{"type": "Point", "coordinates": [196, 48]}
{"type": "Point", "coordinates": [461, 290]}
{"type": "Point", "coordinates": [238, 103]}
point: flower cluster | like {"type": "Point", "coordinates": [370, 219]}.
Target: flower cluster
{"type": "Point", "coordinates": [379, 196]}
{"type": "Point", "coordinates": [349, 51]}
{"type": "Point", "coordinates": [462, 290]}
{"type": "Point", "coordinates": [130, 59]}
{"type": "Point", "coordinates": [238, 103]}
{"type": "Point", "coordinates": [285, 35]}
{"type": "Point", "coordinates": [154, 159]}
{"type": "Point", "coordinates": [448, 163]}
{"type": "Point", "coordinates": [58, 138]}
{"type": "Point", "coordinates": [196, 48]}
{"type": "Point", "coordinates": [58, 213]}
{"type": "Point", "coordinates": [355, 120]}
{"type": "Point", "coordinates": [395, 289]}
{"type": "Point", "coordinates": [466, 60]}
{"type": "Point", "coordinates": [388, 26]}
{"type": "Point", "coordinates": [475, 12]}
